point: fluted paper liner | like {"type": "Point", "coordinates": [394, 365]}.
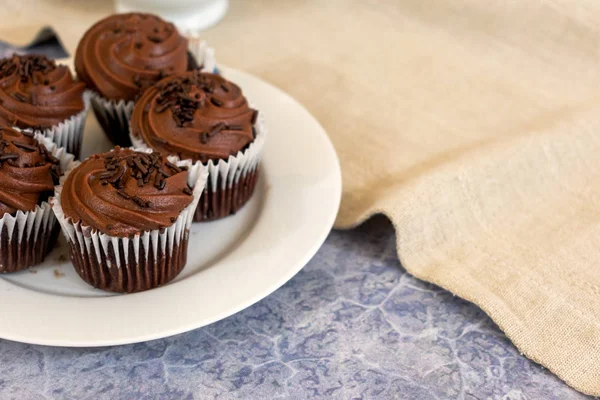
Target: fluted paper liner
{"type": "Point", "coordinates": [114, 115]}
{"type": "Point", "coordinates": [230, 183]}
{"type": "Point", "coordinates": [131, 264]}
{"type": "Point", "coordinates": [27, 236]}
{"type": "Point", "coordinates": [204, 54]}
{"type": "Point", "coordinates": [69, 133]}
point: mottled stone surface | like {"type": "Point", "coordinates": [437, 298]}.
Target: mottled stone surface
{"type": "Point", "coordinates": [351, 325]}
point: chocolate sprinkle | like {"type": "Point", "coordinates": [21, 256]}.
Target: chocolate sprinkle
{"type": "Point", "coordinates": [173, 166]}
{"type": "Point", "coordinates": [138, 164]}
{"type": "Point", "coordinates": [216, 129]}
{"type": "Point", "coordinates": [117, 175]}
{"type": "Point", "coordinates": [163, 172]}
{"type": "Point", "coordinates": [140, 202]}
{"type": "Point", "coordinates": [162, 107]}
{"type": "Point", "coordinates": [216, 102]}
{"type": "Point", "coordinates": [105, 175]}
{"type": "Point", "coordinates": [155, 39]}
{"type": "Point", "coordinates": [8, 156]}
{"type": "Point", "coordinates": [25, 146]}
{"type": "Point", "coordinates": [159, 182]}
{"type": "Point", "coordinates": [21, 97]}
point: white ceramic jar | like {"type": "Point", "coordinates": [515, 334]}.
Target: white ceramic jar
{"type": "Point", "coordinates": [190, 16]}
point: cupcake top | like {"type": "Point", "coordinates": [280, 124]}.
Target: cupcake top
{"type": "Point", "coordinates": [195, 115]}
{"type": "Point", "coordinates": [28, 172]}
{"type": "Point", "coordinates": [124, 192]}
{"type": "Point", "coordinates": [37, 93]}
{"type": "Point", "coordinates": [124, 53]}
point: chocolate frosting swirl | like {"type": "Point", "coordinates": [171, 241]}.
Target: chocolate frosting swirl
{"type": "Point", "coordinates": [28, 172]}
{"type": "Point", "coordinates": [37, 93]}
{"type": "Point", "coordinates": [124, 192]}
{"type": "Point", "coordinates": [124, 53]}
{"type": "Point", "coordinates": [198, 116]}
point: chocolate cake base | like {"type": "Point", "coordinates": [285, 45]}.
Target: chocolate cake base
{"type": "Point", "coordinates": [17, 256]}
{"type": "Point", "coordinates": [192, 62]}
{"type": "Point", "coordinates": [131, 276]}
{"type": "Point", "coordinates": [114, 125]}
{"type": "Point", "coordinates": [220, 203]}
{"type": "Point", "coordinates": [75, 147]}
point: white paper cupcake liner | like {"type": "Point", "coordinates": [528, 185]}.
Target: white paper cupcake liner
{"type": "Point", "coordinates": [114, 117]}
{"type": "Point", "coordinates": [225, 175]}
{"type": "Point", "coordinates": [27, 236]}
{"type": "Point", "coordinates": [131, 264]}
{"type": "Point", "coordinates": [204, 54]}
{"type": "Point", "coordinates": [69, 133]}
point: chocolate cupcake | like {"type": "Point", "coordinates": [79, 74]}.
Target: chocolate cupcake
{"type": "Point", "coordinates": [38, 94]}
{"type": "Point", "coordinates": [126, 215]}
{"type": "Point", "coordinates": [123, 54]}
{"type": "Point", "coordinates": [204, 117]}
{"type": "Point", "coordinates": [30, 167]}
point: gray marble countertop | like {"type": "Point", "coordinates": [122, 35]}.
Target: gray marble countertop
{"type": "Point", "coordinates": [351, 325]}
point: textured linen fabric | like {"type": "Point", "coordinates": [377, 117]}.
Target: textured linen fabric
{"type": "Point", "coordinates": [474, 126]}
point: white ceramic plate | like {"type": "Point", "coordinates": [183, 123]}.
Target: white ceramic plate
{"type": "Point", "coordinates": [232, 263]}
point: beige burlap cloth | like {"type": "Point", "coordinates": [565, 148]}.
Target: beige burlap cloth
{"type": "Point", "coordinates": [473, 125]}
